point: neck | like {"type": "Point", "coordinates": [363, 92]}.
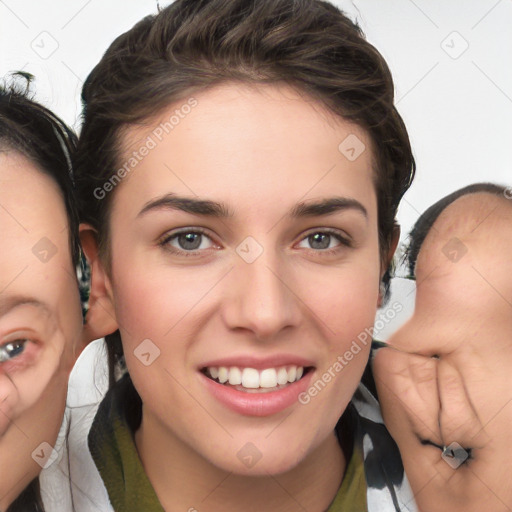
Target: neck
{"type": "Point", "coordinates": [185, 481]}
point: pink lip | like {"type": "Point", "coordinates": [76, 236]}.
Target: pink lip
{"type": "Point", "coordinates": [259, 363]}
{"type": "Point", "coordinates": [257, 404]}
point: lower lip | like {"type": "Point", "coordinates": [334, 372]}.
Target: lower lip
{"type": "Point", "coordinates": [258, 404]}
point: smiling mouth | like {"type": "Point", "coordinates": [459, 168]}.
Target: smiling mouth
{"type": "Point", "coordinates": [251, 380]}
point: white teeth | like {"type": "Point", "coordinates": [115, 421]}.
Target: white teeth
{"type": "Point", "coordinates": [282, 376]}
{"type": "Point", "coordinates": [268, 378]}
{"type": "Point", "coordinates": [235, 376]}
{"type": "Point", "coordinates": [251, 378]}
{"type": "Point", "coordinates": [223, 374]}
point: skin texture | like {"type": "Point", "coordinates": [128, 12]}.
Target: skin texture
{"type": "Point", "coordinates": [33, 384]}
{"type": "Point", "coordinates": [463, 315]}
{"type": "Point", "coordinates": [260, 151]}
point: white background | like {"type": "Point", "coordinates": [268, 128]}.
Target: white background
{"type": "Point", "coordinates": [456, 101]}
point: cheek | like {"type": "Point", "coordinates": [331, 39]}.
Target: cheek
{"type": "Point", "coordinates": [9, 399]}
{"type": "Point", "coordinates": [61, 291]}
{"type": "Point", "coordinates": [346, 301]}
{"type": "Point", "coordinates": [23, 385]}
{"type": "Point", "coordinates": [352, 307]}
{"type": "Point", "coordinates": [46, 369]}
{"type": "Point", "coordinates": [150, 303]}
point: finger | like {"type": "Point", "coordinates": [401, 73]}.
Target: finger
{"type": "Point", "coordinates": [458, 418]}
{"type": "Point", "coordinates": [411, 339]}
{"type": "Point", "coordinates": [407, 388]}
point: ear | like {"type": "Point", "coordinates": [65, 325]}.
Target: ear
{"type": "Point", "coordinates": [101, 317]}
{"type": "Point", "coordinates": [395, 237]}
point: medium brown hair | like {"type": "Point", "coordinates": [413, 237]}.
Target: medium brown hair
{"type": "Point", "coordinates": [195, 44]}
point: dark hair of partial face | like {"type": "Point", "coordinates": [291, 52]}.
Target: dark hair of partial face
{"type": "Point", "coordinates": [36, 133]}
{"type": "Point", "coordinates": [427, 219]}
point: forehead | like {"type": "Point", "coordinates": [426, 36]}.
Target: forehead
{"type": "Point", "coordinates": [25, 184]}
{"type": "Point", "coordinates": [469, 246]}
{"type": "Point", "coordinates": [468, 212]}
{"type": "Point", "coordinates": [33, 221]}
{"type": "Point", "coordinates": [476, 217]}
{"type": "Point", "coordinates": [244, 138]}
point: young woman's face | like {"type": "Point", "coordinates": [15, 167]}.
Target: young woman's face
{"type": "Point", "coordinates": [244, 237]}
{"type": "Point", "coordinates": [40, 320]}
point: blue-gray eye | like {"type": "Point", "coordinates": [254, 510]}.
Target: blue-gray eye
{"type": "Point", "coordinates": [11, 350]}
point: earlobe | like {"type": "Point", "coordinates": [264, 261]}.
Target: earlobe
{"type": "Point", "coordinates": [101, 316]}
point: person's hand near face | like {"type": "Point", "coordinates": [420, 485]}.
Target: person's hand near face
{"type": "Point", "coordinates": [447, 377]}
{"type": "Point", "coordinates": [40, 316]}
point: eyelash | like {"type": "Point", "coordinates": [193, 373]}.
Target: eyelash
{"type": "Point", "coordinates": [164, 241]}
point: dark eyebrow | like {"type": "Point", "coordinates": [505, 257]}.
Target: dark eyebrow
{"type": "Point", "coordinates": [219, 210]}
{"type": "Point", "coordinates": [186, 204]}
{"type": "Point", "coordinates": [327, 207]}
{"type": "Point", "coordinates": [10, 303]}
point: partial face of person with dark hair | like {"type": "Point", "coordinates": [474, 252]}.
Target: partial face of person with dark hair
{"type": "Point", "coordinates": [40, 320]}
{"type": "Point", "coordinates": [463, 395]}
{"type": "Point", "coordinates": [243, 260]}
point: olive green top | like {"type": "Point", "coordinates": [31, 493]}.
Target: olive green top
{"type": "Point", "coordinates": [114, 452]}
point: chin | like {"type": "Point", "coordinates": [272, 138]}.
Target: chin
{"type": "Point", "coordinates": [251, 459]}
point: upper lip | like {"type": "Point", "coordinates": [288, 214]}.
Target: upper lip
{"type": "Point", "coordinates": [258, 363]}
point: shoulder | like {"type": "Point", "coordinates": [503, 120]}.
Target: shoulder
{"type": "Point", "coordinates": [72, 482]}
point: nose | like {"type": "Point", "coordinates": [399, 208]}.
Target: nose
{"type": "Point", "coordinates": [260, 297]}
